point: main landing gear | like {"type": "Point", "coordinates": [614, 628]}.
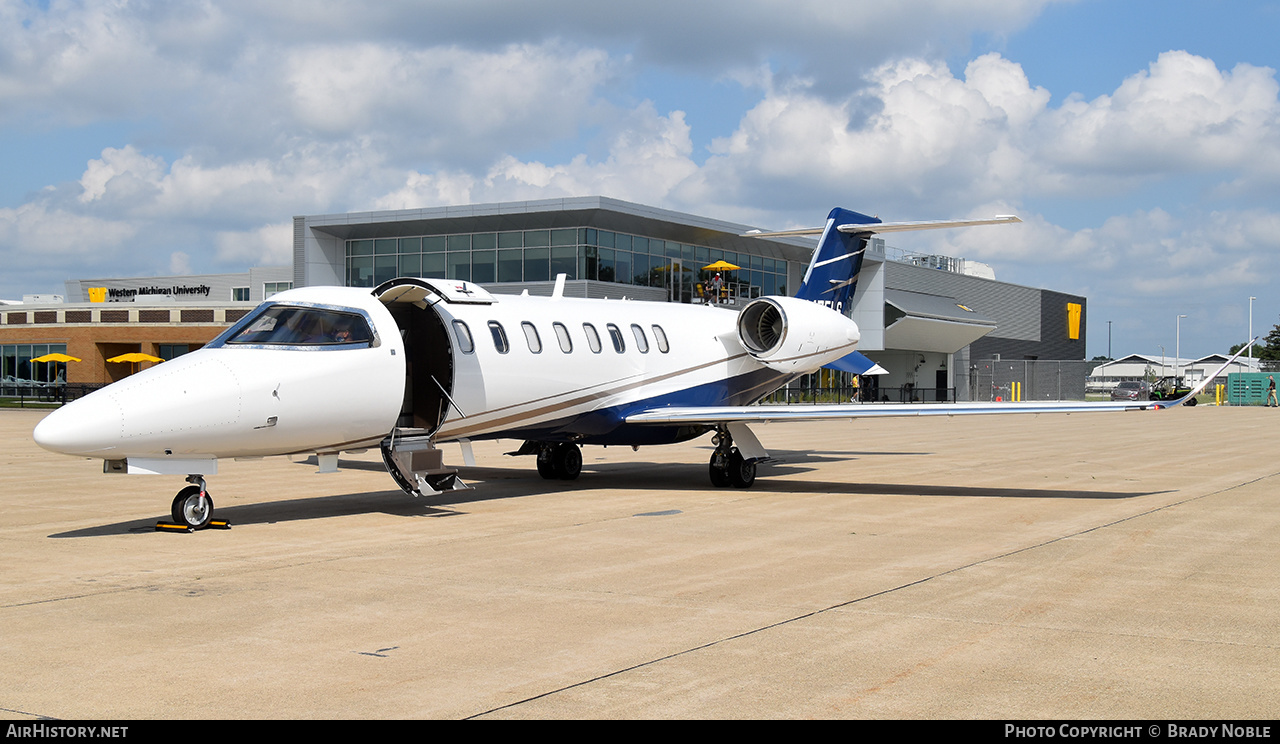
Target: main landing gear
{"type": "Point", "coordinates": [561, 461]}
{"type": "Point", "coordinates": [192, 506]}
{"type": "Point", "coordinates": [728, 466]}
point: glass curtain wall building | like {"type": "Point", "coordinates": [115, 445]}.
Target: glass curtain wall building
{"type": "Point", "coordinates": [580, 253]}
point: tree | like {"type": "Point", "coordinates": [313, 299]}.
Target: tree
{"type": "Point", "coordinates": [1265, 348]}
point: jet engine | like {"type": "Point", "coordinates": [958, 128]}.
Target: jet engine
{"type": "Point", "coordinates": [793, 335]}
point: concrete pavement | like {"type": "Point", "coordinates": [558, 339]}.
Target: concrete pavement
{"type": "Point", "coordinates": [1081, 566]}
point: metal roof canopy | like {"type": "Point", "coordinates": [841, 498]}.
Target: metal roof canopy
{"type": "Point", "coordinates": [924, 322]}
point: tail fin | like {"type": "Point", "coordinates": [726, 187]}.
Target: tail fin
{"type": "Point", "coordinates": [833, 271]}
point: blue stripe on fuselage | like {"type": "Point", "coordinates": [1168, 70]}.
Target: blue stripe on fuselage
{"type": "Point", "coordinates": [606, 426]}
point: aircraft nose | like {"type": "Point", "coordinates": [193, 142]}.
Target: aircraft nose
{"type": "Point", "coordinates": [90, 426]}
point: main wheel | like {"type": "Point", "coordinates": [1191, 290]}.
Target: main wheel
{"type": "Point", "coordinates": [568, 461]}
{"type": "Point", "coordinates": [547, 464]}
{"type": "Point", "coordinates": [742, 472]}
{"type": "Point", "coordinates": [188, 510]}
{"type": "Point", "coordinates": [719, 476]}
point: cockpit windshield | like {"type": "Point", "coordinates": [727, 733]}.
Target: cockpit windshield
{"type": "Point", "coordinates": [285, 325]}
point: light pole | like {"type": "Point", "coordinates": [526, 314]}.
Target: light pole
{"type": "Point", "coordinates": [1251, 299]}
{"type": "Point", "coordinates": [1177, 350]}
{"type": "Point", "coordinates": [1109, 334]}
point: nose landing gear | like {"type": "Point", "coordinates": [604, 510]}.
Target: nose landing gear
{"type": "Point", "coordinates": [192, 508]}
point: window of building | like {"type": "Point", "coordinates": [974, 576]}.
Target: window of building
{"type": "Point", "coordinates": [579, 253]}
{"type": "Point", "coordinates": [239, 294]}
{"type": "Point", "coordinates": [270, 288]}
{"type": "Point", "coordinates": [172, 351]}
{"type": "Point", "coordinates": [20, 375]}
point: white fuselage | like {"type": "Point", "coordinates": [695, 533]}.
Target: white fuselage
{"type": "Point", "coordinates": [255, 399]}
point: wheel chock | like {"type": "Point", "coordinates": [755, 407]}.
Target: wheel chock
{"type": "Point", "coordinates": [214, 524]}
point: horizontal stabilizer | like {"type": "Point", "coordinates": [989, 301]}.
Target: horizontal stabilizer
{"type": "Point", "coordinates": [869, 228]}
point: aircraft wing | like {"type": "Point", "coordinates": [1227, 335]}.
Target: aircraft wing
{"type": "Point", "coordinates": [763, 414]}
{"type": "Point", "coordinates": [767, 413]}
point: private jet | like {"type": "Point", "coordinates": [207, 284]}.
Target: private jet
{"type": "Point", "coordinates": [417, 362]}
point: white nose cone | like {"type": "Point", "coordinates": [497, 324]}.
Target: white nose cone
{"type": "Point", "coordinates": [90, 427]}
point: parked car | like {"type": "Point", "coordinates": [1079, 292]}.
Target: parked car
{"type": "Point", "coordinates": [1131, 390]}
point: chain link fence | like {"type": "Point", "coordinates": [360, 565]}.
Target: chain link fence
{"type": "Point", "coordinates": [1026, 379]}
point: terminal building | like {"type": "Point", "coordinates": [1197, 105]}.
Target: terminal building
{"type": "Point", "coordinates": [925, 319]}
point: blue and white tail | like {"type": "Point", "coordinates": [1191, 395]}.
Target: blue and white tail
{"type": "Point", "coordinates": [833, 271]}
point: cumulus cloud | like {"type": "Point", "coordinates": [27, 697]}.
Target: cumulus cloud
{"type": "Point", "coordinates": [934, 138]}
{"type": "Point", "coordinates": [34, 232]}
{"type": "Point", "coordinates": [1182, 113]}
{"type": "Point", "coordinates": [125, 170]}
{"type": "Point", "coordinates": [445, 103]}
{"type": "Point", "coordinates": [646, 161]}
{"type": "Point", "coordinates": [269, 245]}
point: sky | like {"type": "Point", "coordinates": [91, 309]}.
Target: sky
{"type": "Point", "coordinates": [1139, 141]}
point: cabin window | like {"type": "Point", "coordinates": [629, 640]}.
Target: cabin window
{"type": "Point", "coordinates": [531, 336]}
{"type": "Point", "coordinates": [642, 343]}
{"type": "Point", "coordinates": [615, 335]}
{"type": "Point", "coordinates": [499, 337]}
{"type": "Point", "coordinates": [465, 344]}
{"type": "Point", "coordinates": [660, 336]}
{"type": "Point", "coordinates": [284, 325]}
{"type": "Point", "coordinates": [562, 335]}
{"type": "Point", "coordinates": [593, 338]}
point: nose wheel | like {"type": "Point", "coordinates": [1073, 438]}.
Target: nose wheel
{"type": "Point", "coordinates": [192, 507]}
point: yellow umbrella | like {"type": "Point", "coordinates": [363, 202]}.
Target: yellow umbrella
{"type": "Point", "coordinates": [55, 357]}
{"type": "Point", "coordinates": [135, 357]}
{"type": "Point", "coordinates": [721, 266]}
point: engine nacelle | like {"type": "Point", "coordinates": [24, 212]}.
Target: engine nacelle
{"type": "Point", "coordinates": [793, 335]}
